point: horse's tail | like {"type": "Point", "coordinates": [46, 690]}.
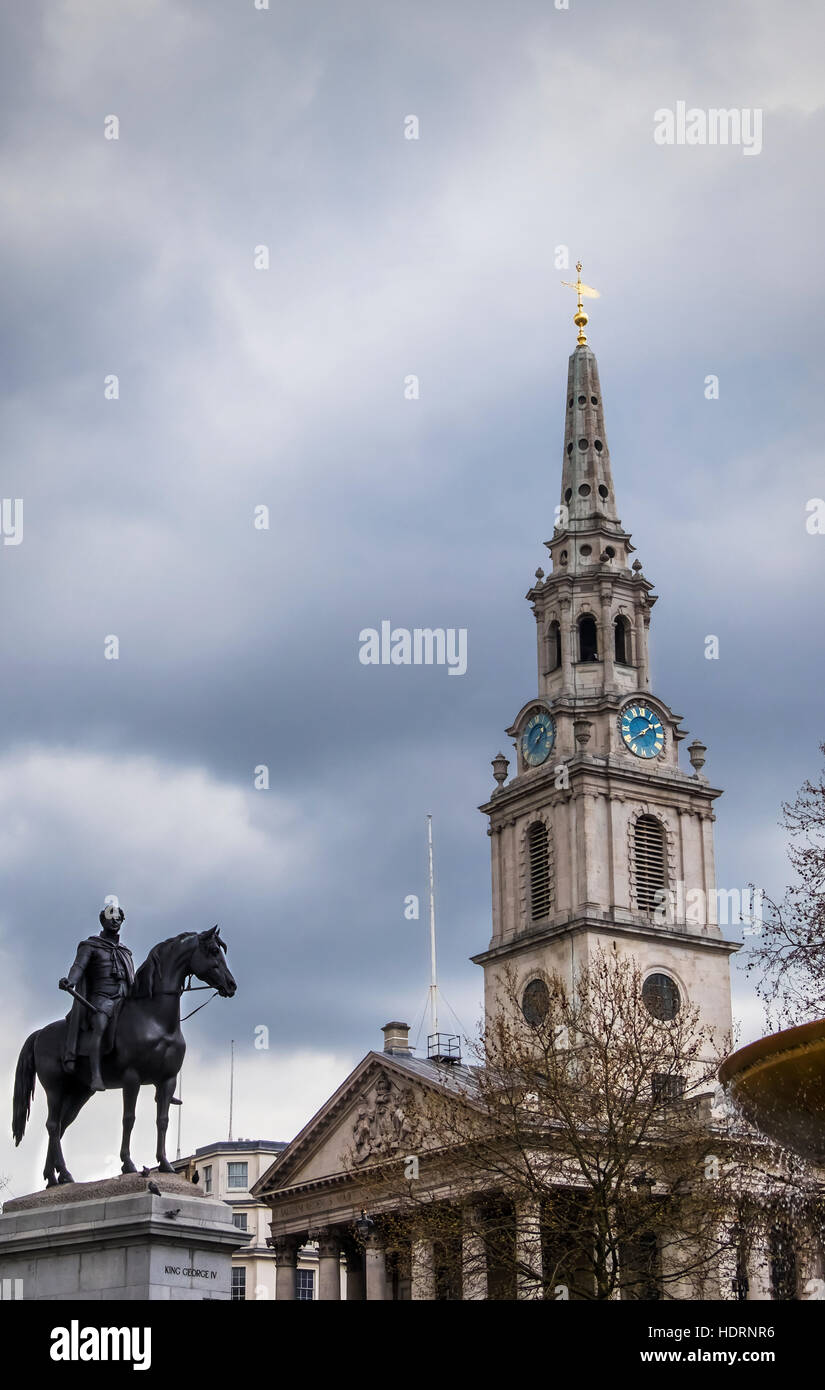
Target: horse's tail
{"type": "Point", "coordinates": [24, 1083]}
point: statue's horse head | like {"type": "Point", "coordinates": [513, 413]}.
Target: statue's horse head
{"type": "Point", "coordinates": [192, 953]}
{"type": "Point", "coordinates": [208, 963]}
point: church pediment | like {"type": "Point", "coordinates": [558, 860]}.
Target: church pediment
{"type": "Point", "coordinates": [367, 1119]}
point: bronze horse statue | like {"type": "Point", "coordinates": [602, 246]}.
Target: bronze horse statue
{"type": "Point", "coordinates": [148, 1050]}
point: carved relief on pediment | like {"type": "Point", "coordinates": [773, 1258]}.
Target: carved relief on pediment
{"type": "Point", "coordinates": [382, 1123]}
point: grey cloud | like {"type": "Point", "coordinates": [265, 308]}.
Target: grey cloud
{"type": "Point", "coordinates": [286, 387]}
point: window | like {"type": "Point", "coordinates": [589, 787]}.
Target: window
{"type": "Point", "coordinates": [661, 997]}
{"type": "Point", "coordinates": [667, 1088]}
{"type": "Point", "coordinates": [305, 1287]}
{"type": "Point", "coordinates": [240, 1219]}
{"type": "Point", "coordinates": [237, 1174]}
{"type": "Point", "coordinates": [535, 1002]}
{"type": "Point", "coordinates": [207, 1178]}
{"type": "Point", "coordinates": [238, 1283]}
{"type": "Point", "coordinates": [553, 647]}
{"type": "Point", "coordinates": [651, 864]}
{"type": "Point", "coordinates": [621, 640]}
{"type": "Point", "coordinates": [541, 887]}
{"type": "Point", "coordinates": [588, 640]}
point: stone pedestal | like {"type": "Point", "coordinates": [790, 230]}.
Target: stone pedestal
{"type": "Point", "coordinates": [114, 1240]}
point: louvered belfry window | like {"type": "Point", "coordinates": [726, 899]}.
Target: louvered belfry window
{"type": "Point", "coordinates": [541, 882]}
{"type": "Point", "coordinates": [651, 863]}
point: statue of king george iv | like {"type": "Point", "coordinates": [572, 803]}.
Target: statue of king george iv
{"type": "Point", "coordinates": [122, 1032]}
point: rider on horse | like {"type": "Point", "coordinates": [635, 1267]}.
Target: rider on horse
{"type": "Point", "coordinates": [103, 975]}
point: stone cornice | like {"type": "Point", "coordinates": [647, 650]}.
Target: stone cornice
{"type": "Point", "coordinates": [608, 925]}
{"type": "Point", "coordinates": [561, 584]}
{"type": "Point", "coordinates": [602, 776]}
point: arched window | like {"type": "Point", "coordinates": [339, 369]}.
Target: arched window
{"type": "Point", "coordinates": [553, 647]}
{"type": "Point", "coordinates": [650, 847]}
{"type": "Point", "coordinates": [621, 639]}
{"type": "Point", "coordinates": [538, 869]}
{"type": "Point", "coordinates": [588, 639]}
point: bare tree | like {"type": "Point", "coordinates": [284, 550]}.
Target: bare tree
{"type": "Point", "coordinates": [579, 1158]}
{"type": "Point", "coordinates": [790, 954]}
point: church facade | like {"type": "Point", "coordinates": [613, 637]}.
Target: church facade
{"type": "Point", "coordinates": [599, 837]}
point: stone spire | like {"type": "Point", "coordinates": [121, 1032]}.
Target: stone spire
{"type": "Point", "coordinates": [586, 479]}
{"type": "Point", "coordinates": [593, 610]}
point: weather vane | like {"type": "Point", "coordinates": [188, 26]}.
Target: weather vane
{"type": "Point", "coordinates": [580, 317]}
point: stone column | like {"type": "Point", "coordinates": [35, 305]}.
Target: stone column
{"type": "Point", "coordinates": [683, 1275]}
{"type": "Point", "coordinates": [641, 646]}
{"type": "Point", "coordinates": [810, 1282]}
{"type": "Point", "coordinates": [422, 1270]}
{"type": "Point", "coordinates": [528, 1249]}
{"type": "Point", "coordinates": [375, 1269]}
{"type": "Point", "coordinates": [286, 1263]}
{"type": "Point", "coordinates": [607, 640]}
{"type": "Point", "coordinates": [329, 1265]}
{"type": "Point", "coordinates": [566, 644]}
{"type": "Point", "coordinates": [473, 1256]}
{"type": "Point", "coordinates": [727, 1267]}
{"type": "Point", "coordinates": [355, 1268]}
{"type": "Point", "coordinates": [759, 1274]}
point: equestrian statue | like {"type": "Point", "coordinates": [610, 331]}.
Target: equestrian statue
{"type": "Point", "coordinates": [122, 1032]}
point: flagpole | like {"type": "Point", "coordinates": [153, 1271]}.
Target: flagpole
{"type": "Point", "coordinates": [433, 973]}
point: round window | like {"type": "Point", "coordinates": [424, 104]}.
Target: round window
{"type": "Point", "coordinates": [535, 1002]}
{"type": "Point", "coordinates": [661, 997]}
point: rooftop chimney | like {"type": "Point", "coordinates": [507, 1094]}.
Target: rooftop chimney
{"type": "Point", "coordinates": [397, 1038]}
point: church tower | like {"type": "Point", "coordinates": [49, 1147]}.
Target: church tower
{"type": "Point", "coordinates": [600, 837]}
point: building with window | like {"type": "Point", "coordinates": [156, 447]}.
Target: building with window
{"type": "Point", "coordinates": [595, 833]}
{"type": "Point", "coordinates": [228, 1170]}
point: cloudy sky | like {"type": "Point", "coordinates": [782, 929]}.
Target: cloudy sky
{"type": "Point", "coordinates": [242, 128]}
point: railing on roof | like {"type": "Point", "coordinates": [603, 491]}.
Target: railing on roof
{"type": "Point", "coordinates": [444, 1047]}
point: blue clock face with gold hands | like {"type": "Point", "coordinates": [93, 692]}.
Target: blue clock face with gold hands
{"type": "Point", "coordinates": [641, 729]}
{"type": "Point", "coordinates": [538, 738]}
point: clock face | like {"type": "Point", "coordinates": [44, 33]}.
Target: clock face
{"type": "Point", "coordinates": [538, 738]}
{"type": "Point", "coordinates": [641, 729]}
